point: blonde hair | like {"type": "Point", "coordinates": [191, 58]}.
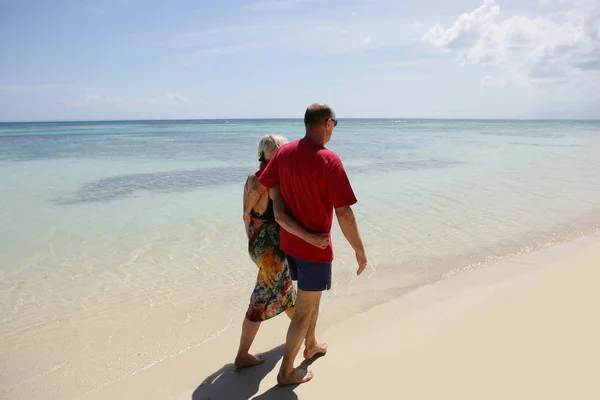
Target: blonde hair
{"type": "Point", "coordinates": [269, 143]}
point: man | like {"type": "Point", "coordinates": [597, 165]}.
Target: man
{"type": "Point", "coordinates": [313, 183]}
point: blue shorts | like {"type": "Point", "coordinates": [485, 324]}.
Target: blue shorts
{"type": "Point", "coordinates": [311, 276]}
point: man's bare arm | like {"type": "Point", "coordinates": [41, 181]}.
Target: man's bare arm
{"type": "Point", "coordinates": [347, 222]}
{"type": "Point", "coordinates": [290, 224]}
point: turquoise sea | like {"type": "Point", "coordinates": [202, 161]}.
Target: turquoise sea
{"type": "Point", "coordinates": [123, 244]}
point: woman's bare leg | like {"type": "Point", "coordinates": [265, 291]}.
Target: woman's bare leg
{"type": "Point", "coordinates": [244, 358]}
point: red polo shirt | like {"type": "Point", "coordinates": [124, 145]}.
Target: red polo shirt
{"type": "Point", "coordinates": [313, 182]}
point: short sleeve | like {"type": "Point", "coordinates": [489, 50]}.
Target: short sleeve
{"type": "Point", "coordinates": [269, 176]}
{"type": "Point", "coordinates": [338, 185]}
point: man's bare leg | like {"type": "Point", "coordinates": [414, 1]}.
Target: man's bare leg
{"type": "Point", "coordinates": [305, 306]}
{"type": "Point", "coordinates": [244, 358]}
{"type": "Point", "coordinates": [312, 346]}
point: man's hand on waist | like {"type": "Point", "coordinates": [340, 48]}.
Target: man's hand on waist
{"type": "Point", "coordinates": [320, 240]}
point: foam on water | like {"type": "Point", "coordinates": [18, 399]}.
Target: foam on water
{"type": "Point", "coordinates": [123, 243]}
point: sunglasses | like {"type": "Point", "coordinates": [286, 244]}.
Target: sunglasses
{"type": "Point", "coordinates": [335, 121]}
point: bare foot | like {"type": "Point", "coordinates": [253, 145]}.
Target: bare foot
{"type": "Point", "coordinates": [319, 349]}
{"type": "Point", "coordinates": [297, 377]}
{"type": "Point", "coordinates": [248, 360]}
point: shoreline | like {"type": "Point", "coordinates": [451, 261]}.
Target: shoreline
{"type": "Point", "coordinates": [137, 352]}
{"type": "Point", "coordinates": [206, 371]}
{"type": "Point", "coordinates": [123, 251]}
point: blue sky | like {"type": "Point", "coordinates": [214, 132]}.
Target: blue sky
{"type": "Point", "coordinates": [134, 59]}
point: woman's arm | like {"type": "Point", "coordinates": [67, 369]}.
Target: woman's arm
{"type": "Point", "coordinates": [246, 204]}
{"type": "Point", "coordinates": [288, 223]}
{"type": "Point", "coordinates": [254, 190]}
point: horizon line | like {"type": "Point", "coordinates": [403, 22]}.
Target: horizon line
{"type": "Point", "coordinates": [285, 118]}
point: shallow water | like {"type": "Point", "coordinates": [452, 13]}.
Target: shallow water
{"type": "Point", "coordinates": [123, 242]}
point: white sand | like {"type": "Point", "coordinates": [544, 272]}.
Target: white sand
{"type": "Point", "coordinates": [525, 329]}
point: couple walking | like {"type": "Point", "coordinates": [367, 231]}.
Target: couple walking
{"type": "Point", "coordinates": [299, 186]}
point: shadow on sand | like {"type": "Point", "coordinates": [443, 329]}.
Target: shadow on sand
{"type": "Point", "coordinates": [230, 383]}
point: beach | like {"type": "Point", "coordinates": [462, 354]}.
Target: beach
{"type": "Point", "coordinates": [124, 256]}
{"type": "Point", "coordinates": [524, 329]}
{"type": "Point", "coordinates": [470, 136]}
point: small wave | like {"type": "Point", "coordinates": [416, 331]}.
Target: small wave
{"type": "Point", "coordinates": [187, 348]}
{"type": "Point", "coordinates": [495, 259]}
{"type": "Point", "coordinates": [40, 375]}
{"type": "Point", "coordinates": [153, 363]}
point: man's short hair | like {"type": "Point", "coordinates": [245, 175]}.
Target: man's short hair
{"type": "Point", "coordinates": [316, 113]}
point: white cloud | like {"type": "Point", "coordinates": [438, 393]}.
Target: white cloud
{"type": "Point", "coordinates": [310, 27]}
{"type": "Point", "coordinates": [94, 9]}
{"type": "Point", "coordinates": [92, 100]}
{"type": "Point", "coordinates": [400, 65]}
{"type": "Point", "coordinates": [324, 35]}
{"type": "Point", "coordinates": [216, 51]}
{"type": "Point", "coordinates": [273, 5]}
{"type": "Point", "coordinates": [168, 99]}
{"type": "Point", "coordinates": [563, 43]}
{"type": "Point", "coordinates": [349, 36]}
{"type": "Point", "coordinates": [40, 88]}
{"type": "Point", "coordinates": [96, 105]}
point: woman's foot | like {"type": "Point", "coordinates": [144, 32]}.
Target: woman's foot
{"type": "Point", "coordinates": [319, 349]}
{"type": "Point", "coordinates": [247, 360]}
{"type": "Point", "coordinates": [297, 377]}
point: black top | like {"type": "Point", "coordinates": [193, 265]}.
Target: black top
{"type": "Point", "coordinates": [268, 215]}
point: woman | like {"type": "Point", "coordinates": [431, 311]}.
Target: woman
{"type": "Point", "coordinates": [274, 292]}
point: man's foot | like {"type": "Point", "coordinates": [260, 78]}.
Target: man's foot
{"type": "Point", "coordinates": [297, 377]}
{"type": "Point", "coordinates": [248, 360]}
{"type": "Point", "coordinates": [320, 349]}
